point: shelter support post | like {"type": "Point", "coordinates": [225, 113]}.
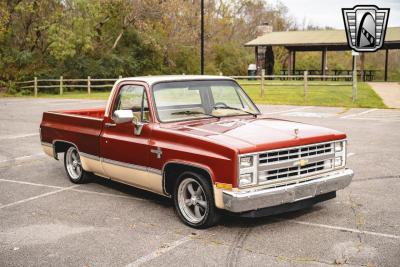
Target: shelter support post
{"type": "Point", "coordinates": [294, 62]}
{"type": "Point", "coordinates": [305, 78]}
{"type": "Point", "coordinates": [269, 60]}
{"type": "Point", "coordinates": [290, 63]}
{"type": "Point", "coordinates": [323, 62]}
{"type": "Point", "coordinates": [256, 56]}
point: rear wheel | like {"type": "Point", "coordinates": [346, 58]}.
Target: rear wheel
{"type": "Point", "coordinates": [194, 201]}
{"type": "Point", "coordinates": [73, 166]}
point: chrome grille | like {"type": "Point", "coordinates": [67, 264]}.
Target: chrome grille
{"type": "Point", "coordinates": [293, 171]}
{"type": "Point", "coordinates": [295, 153]}
{"type": "Point", "coordinates": [295, 162]}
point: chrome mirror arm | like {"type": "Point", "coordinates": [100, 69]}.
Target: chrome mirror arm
{"type": "Point", "coordinates": [138, 126]}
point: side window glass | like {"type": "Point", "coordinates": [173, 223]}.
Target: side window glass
{"type": "Point", "coordinates": [130, 98]}
{"type": "Point", "coordinates": [133, 97]}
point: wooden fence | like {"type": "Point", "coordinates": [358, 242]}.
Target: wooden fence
{"type": "Point", "coordinates": [304, 80]}
{"type": "Point", "coordinates": [262, 80]}
{"type": "Point", "coordinates": [61, 83]}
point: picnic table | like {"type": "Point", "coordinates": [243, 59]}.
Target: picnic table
{"type": "Point", "coordinates": [369, 75]}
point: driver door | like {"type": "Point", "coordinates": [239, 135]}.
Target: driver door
{"type": "Point", "coordinates": [126, 154]}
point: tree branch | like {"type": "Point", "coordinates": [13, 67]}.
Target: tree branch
{"type": "Point", "coordinates": [117, 40]}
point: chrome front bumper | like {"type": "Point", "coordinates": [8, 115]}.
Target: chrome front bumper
{"type": "Point", "coordinates": [246, 200]}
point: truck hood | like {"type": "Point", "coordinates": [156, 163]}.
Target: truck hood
{"type": "Point", "coordinates": [258, 134]}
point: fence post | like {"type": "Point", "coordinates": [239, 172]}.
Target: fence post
{"type": "Point", "coordinates": [35, 87]}
{"type": "Point", "coordinates": [354, 81]}
{"type": "Point", "coordinates": [120, 77]}
{"type": "Point", "coordinates": [88, 85]}
{"type": "Point", "coordinates": [220, 73]}
{"type": "Point", "coordinates": [305, 83]}
{"type": "Point", "coordinates": [61, 85]}
{"type": "Point", "coordinates": [262, 81]}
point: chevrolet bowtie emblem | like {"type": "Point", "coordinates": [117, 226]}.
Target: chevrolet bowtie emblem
{"type": "Point", "coordinates": [301, 163]}
{"type": "Point", "coordinates": [296, 132]}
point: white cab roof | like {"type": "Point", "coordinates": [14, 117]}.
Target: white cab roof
{"type": "Point", "coordinates": [150, 80]}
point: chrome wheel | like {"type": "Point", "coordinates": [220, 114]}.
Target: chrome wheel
{"type": "Point", "coordinates": [73, 163]}
{"type": "Point", "coordinates": [192, 200]}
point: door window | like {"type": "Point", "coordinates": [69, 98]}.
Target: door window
{"type": "Point", "coordinates": [134, 97]}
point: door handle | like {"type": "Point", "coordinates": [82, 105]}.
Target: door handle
{"type": "Point", "coordinates": [109, 125]}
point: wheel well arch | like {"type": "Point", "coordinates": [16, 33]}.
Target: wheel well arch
{"type": "Point", "coordinates": [172, 170]}
{"type": "Point", "coordinates": [61, 146]}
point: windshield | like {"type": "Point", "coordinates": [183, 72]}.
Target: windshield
{"type": "Point", "coordinates": [185, 100]}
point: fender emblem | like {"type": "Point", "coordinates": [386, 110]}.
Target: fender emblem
{"type": "Point", "coordinates": [157, 151]}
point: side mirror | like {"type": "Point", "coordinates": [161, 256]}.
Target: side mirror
{"type": "Point", "coordinates": [122, 116]}
{"type": "Point", "coordinates": [138, 125]}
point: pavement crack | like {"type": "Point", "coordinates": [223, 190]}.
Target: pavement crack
{"type": "Point", "coordinates": [359, 219]}
{"type": "Point", "coordinates": [237, 246]}
{"type": "Point", "coordinates": [377, 178]}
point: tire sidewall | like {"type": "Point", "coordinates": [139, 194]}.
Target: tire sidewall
{"type": "Point", "coordinates": [80, 178]}
{"type": "Point", "coordinates": [208, 219]}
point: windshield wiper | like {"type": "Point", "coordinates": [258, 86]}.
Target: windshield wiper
{"type": "Point", "coordinates": [239, 109]}
{"type": "Point", "coordinates": [188, 112]}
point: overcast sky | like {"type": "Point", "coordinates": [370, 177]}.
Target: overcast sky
{"type": "Point", "coordinates": [328, 12]}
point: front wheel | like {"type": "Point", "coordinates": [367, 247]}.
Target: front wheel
{"type": "Point", "coordinates": [73, 166]}
{"type": "Point", "coordinates": [194, 201]}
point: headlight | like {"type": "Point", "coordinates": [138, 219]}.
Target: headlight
{"type": "Point", "coordinates": [338, 161]}
{"type": "Point", "coordinates": [245, 179]}
{"type": "Point", "coordinates": [340, 154]}
{"type": "Point", "coordinates": [246, 161]}
{"type": "Point", "coordinates": [247, 170]}
{"type": "Point", "coordinates": [338, 146]}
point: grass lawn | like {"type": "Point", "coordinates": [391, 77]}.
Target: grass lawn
{"type": "Point", "coordinates": [318, 94]}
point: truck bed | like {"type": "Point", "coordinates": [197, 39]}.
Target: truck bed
{"type": "Point", "coordinates": [93, 112]}
{"type": "Point", "coordinates": [81, 127]}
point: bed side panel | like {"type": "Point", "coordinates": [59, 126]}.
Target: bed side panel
{"type": "Point", "coordinates": [83, 131]}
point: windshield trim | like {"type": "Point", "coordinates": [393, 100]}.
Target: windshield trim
{"type": "Point", "coordinates": [208, 116]}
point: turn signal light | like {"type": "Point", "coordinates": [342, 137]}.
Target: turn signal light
{"type": "Point", "coordinates": [223, 186]}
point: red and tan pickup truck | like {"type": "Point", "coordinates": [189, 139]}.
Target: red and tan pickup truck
{"type": "Point", "coordinates": [201, 141]}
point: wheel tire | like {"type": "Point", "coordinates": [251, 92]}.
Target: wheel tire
{"type": "Point", "coordinates": [73, 167]}
{"type": "Point", "coordinates": [185, 202]}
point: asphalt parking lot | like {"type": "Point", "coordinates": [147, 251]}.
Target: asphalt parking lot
{"type": "Point", "coordinates": [46, 220]}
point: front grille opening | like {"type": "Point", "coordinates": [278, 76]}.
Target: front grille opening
{"type": "Point", "coordinates": [283, 163]}
{"type": "Point", "coordinates": [289, 172]}
{"type": "Point", "coordinates": [295, 153]}
{"type": "Point", "coordinates": [313, 167]}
